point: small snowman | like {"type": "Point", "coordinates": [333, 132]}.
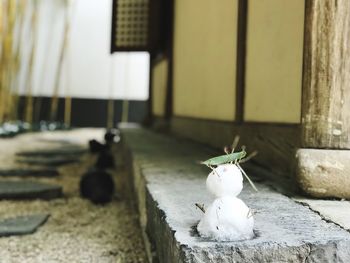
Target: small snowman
{"type": "Point", "coordinates": [228, 218]}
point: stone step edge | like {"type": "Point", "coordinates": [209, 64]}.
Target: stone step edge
{"type": "Point", "coordinates": [149, 209]}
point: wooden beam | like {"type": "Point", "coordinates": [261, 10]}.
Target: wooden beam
{"type": "Point", "coordinates": [276, 143]}
{"type": "Point", "coordinates": [149, 116]}
{"type": "Point", "coordinates": [326, 75]}
{"type": "Point", "coordinates": [170, 11]}
{"type": "Point", "coordinates": [241, 58]}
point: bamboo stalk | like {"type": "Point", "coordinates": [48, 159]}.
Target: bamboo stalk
{"type": "Point", "coordinates": [45, 65]}
{"type": "Point", "coordinates": [68, 98]}
{"type": "Point", "coordinates": [55, 97]}
{"type": "Point", "coordinates": [125, 111]}
{"type": "Point", "coordinates": [28, 117]}
{"type": "Point", "coordinates": [110, 113]}
{"type": "Point", "coordinates": [38, 100]}
{"type": "Point", "coordinates": [125, 107]}
{"type": "Point", "coordinates": [110, 104]}
{"type": "Point", "coordinates": [37, 109]}
{"type": "Point", "coordinates": [2, 33]}
{"type": "Point", "coordinates": [7, 24]}
{"type": "Point", "coordinates": [10, 74]}
{"type": "Point", "coordinates": [17, 57]}
{"type": "Point", "coordinates": [3, 21]}
{"type": "Point", "coordinates": [67, 110]}
{"type": "Point", "coordinates": [10, 59]}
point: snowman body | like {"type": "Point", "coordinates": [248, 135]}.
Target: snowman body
{"type": "Point", "coordinates": [228, 218]}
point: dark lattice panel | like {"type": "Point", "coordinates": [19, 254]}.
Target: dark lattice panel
{"type": "Point", "coordinates": [132, 23]}
{"type": "Point", "coordinates": [136, 25]}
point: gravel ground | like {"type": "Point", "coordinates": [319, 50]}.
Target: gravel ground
{"type": "Point", "coordinates": [77, 231]}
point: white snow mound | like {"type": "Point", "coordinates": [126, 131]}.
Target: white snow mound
{"type": "Point", "coordinates": [225, 180]}
{"type": "Point", "coordinates": [227, 219]}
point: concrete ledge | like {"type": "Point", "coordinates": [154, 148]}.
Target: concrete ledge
{"type": "Point", "coordinates": [168, 181]}
{"type": "Point", "coordinates": [324, 173]}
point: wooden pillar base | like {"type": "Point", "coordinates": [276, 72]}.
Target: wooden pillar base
{"type": "Point", "coordinates": [323, 172]}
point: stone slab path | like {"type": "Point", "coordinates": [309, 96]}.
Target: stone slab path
{"type": "Point", "coordinates": [22, 225]}
{"type": "Point", "coordinates": [28, 190]}
{"type": "Point", "coordinates": [51, 161]}
{"type": "Point", "coordinates": [76, 231]}
{"type": "Point", "coordinates": [42, 172]}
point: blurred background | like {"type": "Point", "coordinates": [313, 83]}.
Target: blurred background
{"type": "Point", "coordinates": [61, 49]}
{"type": "Point", "coordinates": [73, 59]}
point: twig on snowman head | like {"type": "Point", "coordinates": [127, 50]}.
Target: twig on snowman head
{"type": "Point", "coordinates": [200, 206]}
{"type": "Point", "coordinates": [238, 160]}
{"type": "Point", "coordinates": [246, 176]}
{"type": "Point", "coordinates": [250, 213]}
{"type": "Point", "coordinates": [250, 156]}
{"type": "Point", "coordinates": [234, 143]}
{"type": "Point", "coordinates": [213, 169]}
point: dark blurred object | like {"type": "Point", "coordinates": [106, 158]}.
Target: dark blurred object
{"type": "Point", "coordinates": [97, 147]}
{"type": "Point", "coordinates": [140, 25]}
{"type": "Point", "coordinates": [97, 186]}
{"type": "Point", "coordinates": [105, 160]}
{"type": "Point", "coordinates": [112, 135]}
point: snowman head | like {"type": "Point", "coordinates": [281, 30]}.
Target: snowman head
{"type": "Point", "coordinates": [225, 180]}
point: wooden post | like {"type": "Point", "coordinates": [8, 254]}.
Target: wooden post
{"type": "Point", "coordinates": [324, 170]}
{"type": "Point", "coordinates": [326, 78]}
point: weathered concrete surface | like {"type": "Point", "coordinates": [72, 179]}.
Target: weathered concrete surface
{"type": "Point", "coordinates": [22, 225]}
{"type": "Point", "coordinates": [331, 210]}
{"type": "Point", "coordinates": [324, 173]}
{"type": "Point", "coordinates": [168, 182]}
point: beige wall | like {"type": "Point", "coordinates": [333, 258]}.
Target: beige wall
{"type": "Point", "coordinates": [274, 60]}
{"type": "Point", "coordinates": [159, 87]}
{"type": "Point", "coordinates": [205, 58]}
